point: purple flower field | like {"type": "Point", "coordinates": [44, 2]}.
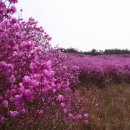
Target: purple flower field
{"type": "Point", "coordinates": [101, 67]}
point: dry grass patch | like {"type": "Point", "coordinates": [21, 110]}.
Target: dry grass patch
{"type": "Point", "coordinates": [113, 112]}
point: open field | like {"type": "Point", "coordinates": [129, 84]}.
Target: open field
{"type": "Point", "coordinates": [113, 111]}
{"type": "Point", "coordinates": [102, 68]}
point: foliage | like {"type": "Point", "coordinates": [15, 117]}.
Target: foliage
{"type": "Point", "coordinates": [34, 82]}
{"type": "Point", "coordinates": [95, 52]}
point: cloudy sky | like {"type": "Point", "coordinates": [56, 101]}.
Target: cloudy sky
{"type": "Point", "coordinates": [82, 24]}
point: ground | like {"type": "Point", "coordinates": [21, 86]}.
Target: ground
{"type": "Point", "coordinates": [113, 107]}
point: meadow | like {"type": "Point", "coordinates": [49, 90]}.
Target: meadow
{"type": "Point", "coordinates": [107, 78]}
{"type": "Point", "coordinates": [101, 69]}
{"type": "Point", "coordinates": [42, 88]}
{"type": "Point", "coordinates": [113, 108]}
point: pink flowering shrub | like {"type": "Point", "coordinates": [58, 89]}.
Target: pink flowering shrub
{"type": "Point", "coordinates": [7, 9]}
{"type": "Point", "coordinates": [35, 85]}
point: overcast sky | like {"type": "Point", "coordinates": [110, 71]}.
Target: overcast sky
{"type": "Point", "coordinates": [82, 24]}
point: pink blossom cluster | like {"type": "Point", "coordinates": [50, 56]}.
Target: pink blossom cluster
{"type": "Point", "coordinates": [7, 8]}
{"type": "Point", "coordinates": [33, 77]}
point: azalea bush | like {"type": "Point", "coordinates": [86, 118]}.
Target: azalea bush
{"type": "Point", "coordinates": [35, 84]}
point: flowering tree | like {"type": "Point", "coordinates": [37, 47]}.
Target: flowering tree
{"type": "Point", "coordinates": [34, 82]}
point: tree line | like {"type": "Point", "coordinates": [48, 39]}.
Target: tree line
{"type": "Point", "coordinates": [96, 52]}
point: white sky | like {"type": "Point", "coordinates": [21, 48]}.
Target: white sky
{"type": "Point", "coordinates": [82, 24]}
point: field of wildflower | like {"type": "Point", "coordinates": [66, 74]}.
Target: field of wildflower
{"type": "Point", "coordinates": [101, 69]}
{"type": "Point", "coordinates": [40, 86]}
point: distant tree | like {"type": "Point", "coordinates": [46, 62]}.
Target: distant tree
{"type": "Point", "coordinates": [95, 52]}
